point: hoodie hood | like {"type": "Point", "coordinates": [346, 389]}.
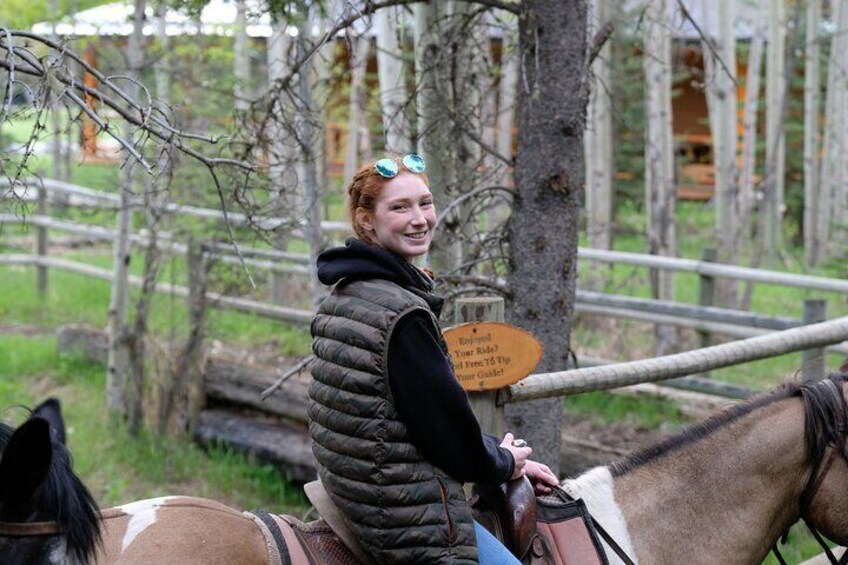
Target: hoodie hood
{"type": "Point", "coordinates": [358, 261]}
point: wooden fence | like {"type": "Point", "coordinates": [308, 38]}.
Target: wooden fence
{"type": "Point", "coordinates": [702, 318]}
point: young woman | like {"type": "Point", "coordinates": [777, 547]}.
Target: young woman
{"type": "Point", "coordinates": [393, 432]}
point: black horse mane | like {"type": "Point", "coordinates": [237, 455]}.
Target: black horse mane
{"type": "Point", "coordinates": [825, 415]}
{"type": "Point", "coordinates": [66, 500]}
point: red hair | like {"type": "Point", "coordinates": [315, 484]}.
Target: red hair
{"type": "Point", "coordinates": [364, 190]}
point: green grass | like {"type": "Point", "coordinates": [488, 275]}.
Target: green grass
{"type": "Point", "coordinates": [119, 468]}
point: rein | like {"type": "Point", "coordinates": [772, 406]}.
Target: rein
{"type": "Point", "coordinates": [30, 529]}
{"type": "Point", "coordinates": [817, 476]}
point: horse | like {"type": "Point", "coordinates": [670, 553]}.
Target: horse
{"type": "Point", "coordinates": [722, 491]}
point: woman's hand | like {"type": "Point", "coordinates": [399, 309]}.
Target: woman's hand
{"type": "Point", "coordinates": [540, 476]}
{"type": "Point", "coordinates": [520, 452]}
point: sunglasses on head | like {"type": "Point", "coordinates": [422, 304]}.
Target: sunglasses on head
{"type": "Point", "coordinates": [389, 168]}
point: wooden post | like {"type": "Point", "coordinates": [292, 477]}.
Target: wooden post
{"type": "Point", "coordinates": [489, 411]}
{"type": "Point", "coordinates": [707, 295]}
{"type": "Point", "coordinates": [813, 366]}
{"type": "Point", "coordinates": [192, 360]}
{"type": "Point", "coordinates": [41, 243]}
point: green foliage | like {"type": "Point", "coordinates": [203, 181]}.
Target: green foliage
{"type": "Point", "coordinates": [23, 14]}
{"type": "Point", "coordinates": [605, 408]}
{"type": "Point", "coordinates": [119, 468]}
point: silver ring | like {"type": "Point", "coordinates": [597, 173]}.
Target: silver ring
{"type": "Point", "coordinates": [519, 443]}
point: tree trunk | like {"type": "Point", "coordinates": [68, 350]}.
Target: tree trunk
{"type": "Point", "coordinates": [390, 69]}
{"type": "Point", "coordinates": [660, 196]}
{"type": "Point", "coordinates": [507, 90]}
{"type": "Point", "coordinates": [356, 107]}
{"type": "Point", "coordinates": [310, 201]}
{"type": "Point", "coordinates": [241, 58]}
{"type": "Point", "coordinates": [432, 82]}
{"type": "Point", "coordinates": [812, 103]}
{"type": "Point", "coordinates": [721, 76]}
{"type": "Point", "coordinates": [834, 134]}
{"type": "Point", "coordinates": [543, 229]}
{"type": "Point", "coordinates": [775, 131]}
{"type": "Point", "coordinates": [118, 363]}
{"type": "Point", "coordinates": [282, 153]}
{"type": "Point", "coordinates": [598, 147]}
{"type": "Point", "coordinates": [747, 197]}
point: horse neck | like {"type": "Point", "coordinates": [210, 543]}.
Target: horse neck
{"type": "Point", "coordinates": [728, 496]}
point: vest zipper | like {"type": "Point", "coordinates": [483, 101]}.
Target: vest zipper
{"type": "Point", "coordinates": [444, 492]}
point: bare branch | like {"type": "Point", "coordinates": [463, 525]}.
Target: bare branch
{"type": "Point", "coordinates": [599, 41]}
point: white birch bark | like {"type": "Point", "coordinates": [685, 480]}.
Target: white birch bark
{"type": "Point", "coordinates": [775, 132]}
{"type": "Point", "coordinates": [812, 85]}
{"type": "Point", "coordinates": [660, 195]}
{"type": "Point", "coordinates": [55, 118]}
{"type": "Point", "coordinates": [118, 359]}
{"type": "Point", "coordinates": [392, 78]}
{"type": "Point", "coordinates": [834, 135]}
{"type": "Point", "coordinates": [282, 173]}
{"type": "Point", "coordinates": [241, 58]}
{"type": "Point", "coordinates": [506, 104]}
{"type": "Point", "coordinates": [598, 146]}
{"type": "Point", "coordinates": [309, 197]}
{"type": "Point", "coordinates": [749, 126]}
{"type": "Point", "coordinates": [725, 143]}
{"type": "Point", "coordinates": [432, 100]}
{"type": "Point", "coordinates": [356, 106]}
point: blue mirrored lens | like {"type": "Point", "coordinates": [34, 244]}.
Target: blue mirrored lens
{"type": "Point", "coordinates": [414, 163]}
{"type": "Point", "coordinates": [387, 168]}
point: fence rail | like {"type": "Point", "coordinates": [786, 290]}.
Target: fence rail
{"type": "Point", "coordinates": [703, 318]}
{"type": "Point", "coordinates": [546, 385]}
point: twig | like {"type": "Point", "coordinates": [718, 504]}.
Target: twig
{"type": "Point", "coordinates": [599, 41]}
{"type": "Point", "coordinates": [706, 40]}
{"type": "Point", "coordinates": [286, 376]}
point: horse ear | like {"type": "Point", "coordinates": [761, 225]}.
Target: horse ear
{"type": "Point", "coordinates": [51, 410]}
{"type": "Point", "coordinates": [24, 464]}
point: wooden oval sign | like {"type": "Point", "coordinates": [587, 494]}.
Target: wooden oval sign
{"type": "Point", "coordinates": [491, 355]}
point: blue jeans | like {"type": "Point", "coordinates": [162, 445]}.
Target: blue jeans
{"type": "Point", "coordinates": [490, 550]}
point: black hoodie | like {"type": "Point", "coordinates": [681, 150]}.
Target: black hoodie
{"type": "Point", "coordinates": [427, 396]}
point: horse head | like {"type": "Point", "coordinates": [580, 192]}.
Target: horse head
{"type": "Point", "coordinates": [824, 501]}
{"type": "Point", "coordinates": [46, 513]}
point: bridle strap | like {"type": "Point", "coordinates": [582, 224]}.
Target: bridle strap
{"type": "Point", "coordinates": [817, 476]}
{"type": "Point", "coordinates": [29, 529]}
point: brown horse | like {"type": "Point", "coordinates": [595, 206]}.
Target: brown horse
{"type": "Point", "coordinates": [721, 492]}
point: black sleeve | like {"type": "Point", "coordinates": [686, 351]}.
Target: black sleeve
{"type": "Point", "coordinates": [435, 408]}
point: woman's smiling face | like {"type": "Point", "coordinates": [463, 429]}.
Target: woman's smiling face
{"type": "Point", "coordinates": [403, 218]}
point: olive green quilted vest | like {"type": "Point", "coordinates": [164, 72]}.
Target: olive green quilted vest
{"type": "Point", "coordinates": [402, 508]}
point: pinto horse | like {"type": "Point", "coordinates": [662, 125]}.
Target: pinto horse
{"type": "Point", "coordinates": [722, 491]}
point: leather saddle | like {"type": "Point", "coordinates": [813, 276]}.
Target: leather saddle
{"type": "Point", "coordinates": [509, 511]}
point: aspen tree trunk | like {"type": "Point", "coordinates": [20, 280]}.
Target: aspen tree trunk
{"type": "Point", "coordinates": [55, 118]}
{"type": "Point", "coordinates": [598, 148]}
{"type": "Point", "coordinates": [356, 106]}
{"type": "Point", "coordinates": [775, 133]}
{"type": "Point", "coordinates": [812, 85]}
{"type": "Point", "coordinates": [544, 227]}
{"type": "Point", "coordinates": [309, 189]}
{"type": "Point", "coordinates": [434, 133]}
{"type": "Point", "coordinates": [281, 153]}
{"type": "Point", "coordinates": [390, 70]}
{"type": "Point", "coordinates": [507, 90]}
{"type": "Point", "coordinates": [118, 361]}
{"type": "Point", "coordinates": [837, 239]}
{"type": "Point", "coordinates": [469, 88]}
{"type": "Point", "coordinates": [660, 193]}
{"type": "Point", "coordinates": [833, 150]}
{"type": "Point", "coordinates": [721, 97]}
{"type": "Point", "coordinates": [749, 136]}
{"type": "Point", "coordinates": [241, 58]}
